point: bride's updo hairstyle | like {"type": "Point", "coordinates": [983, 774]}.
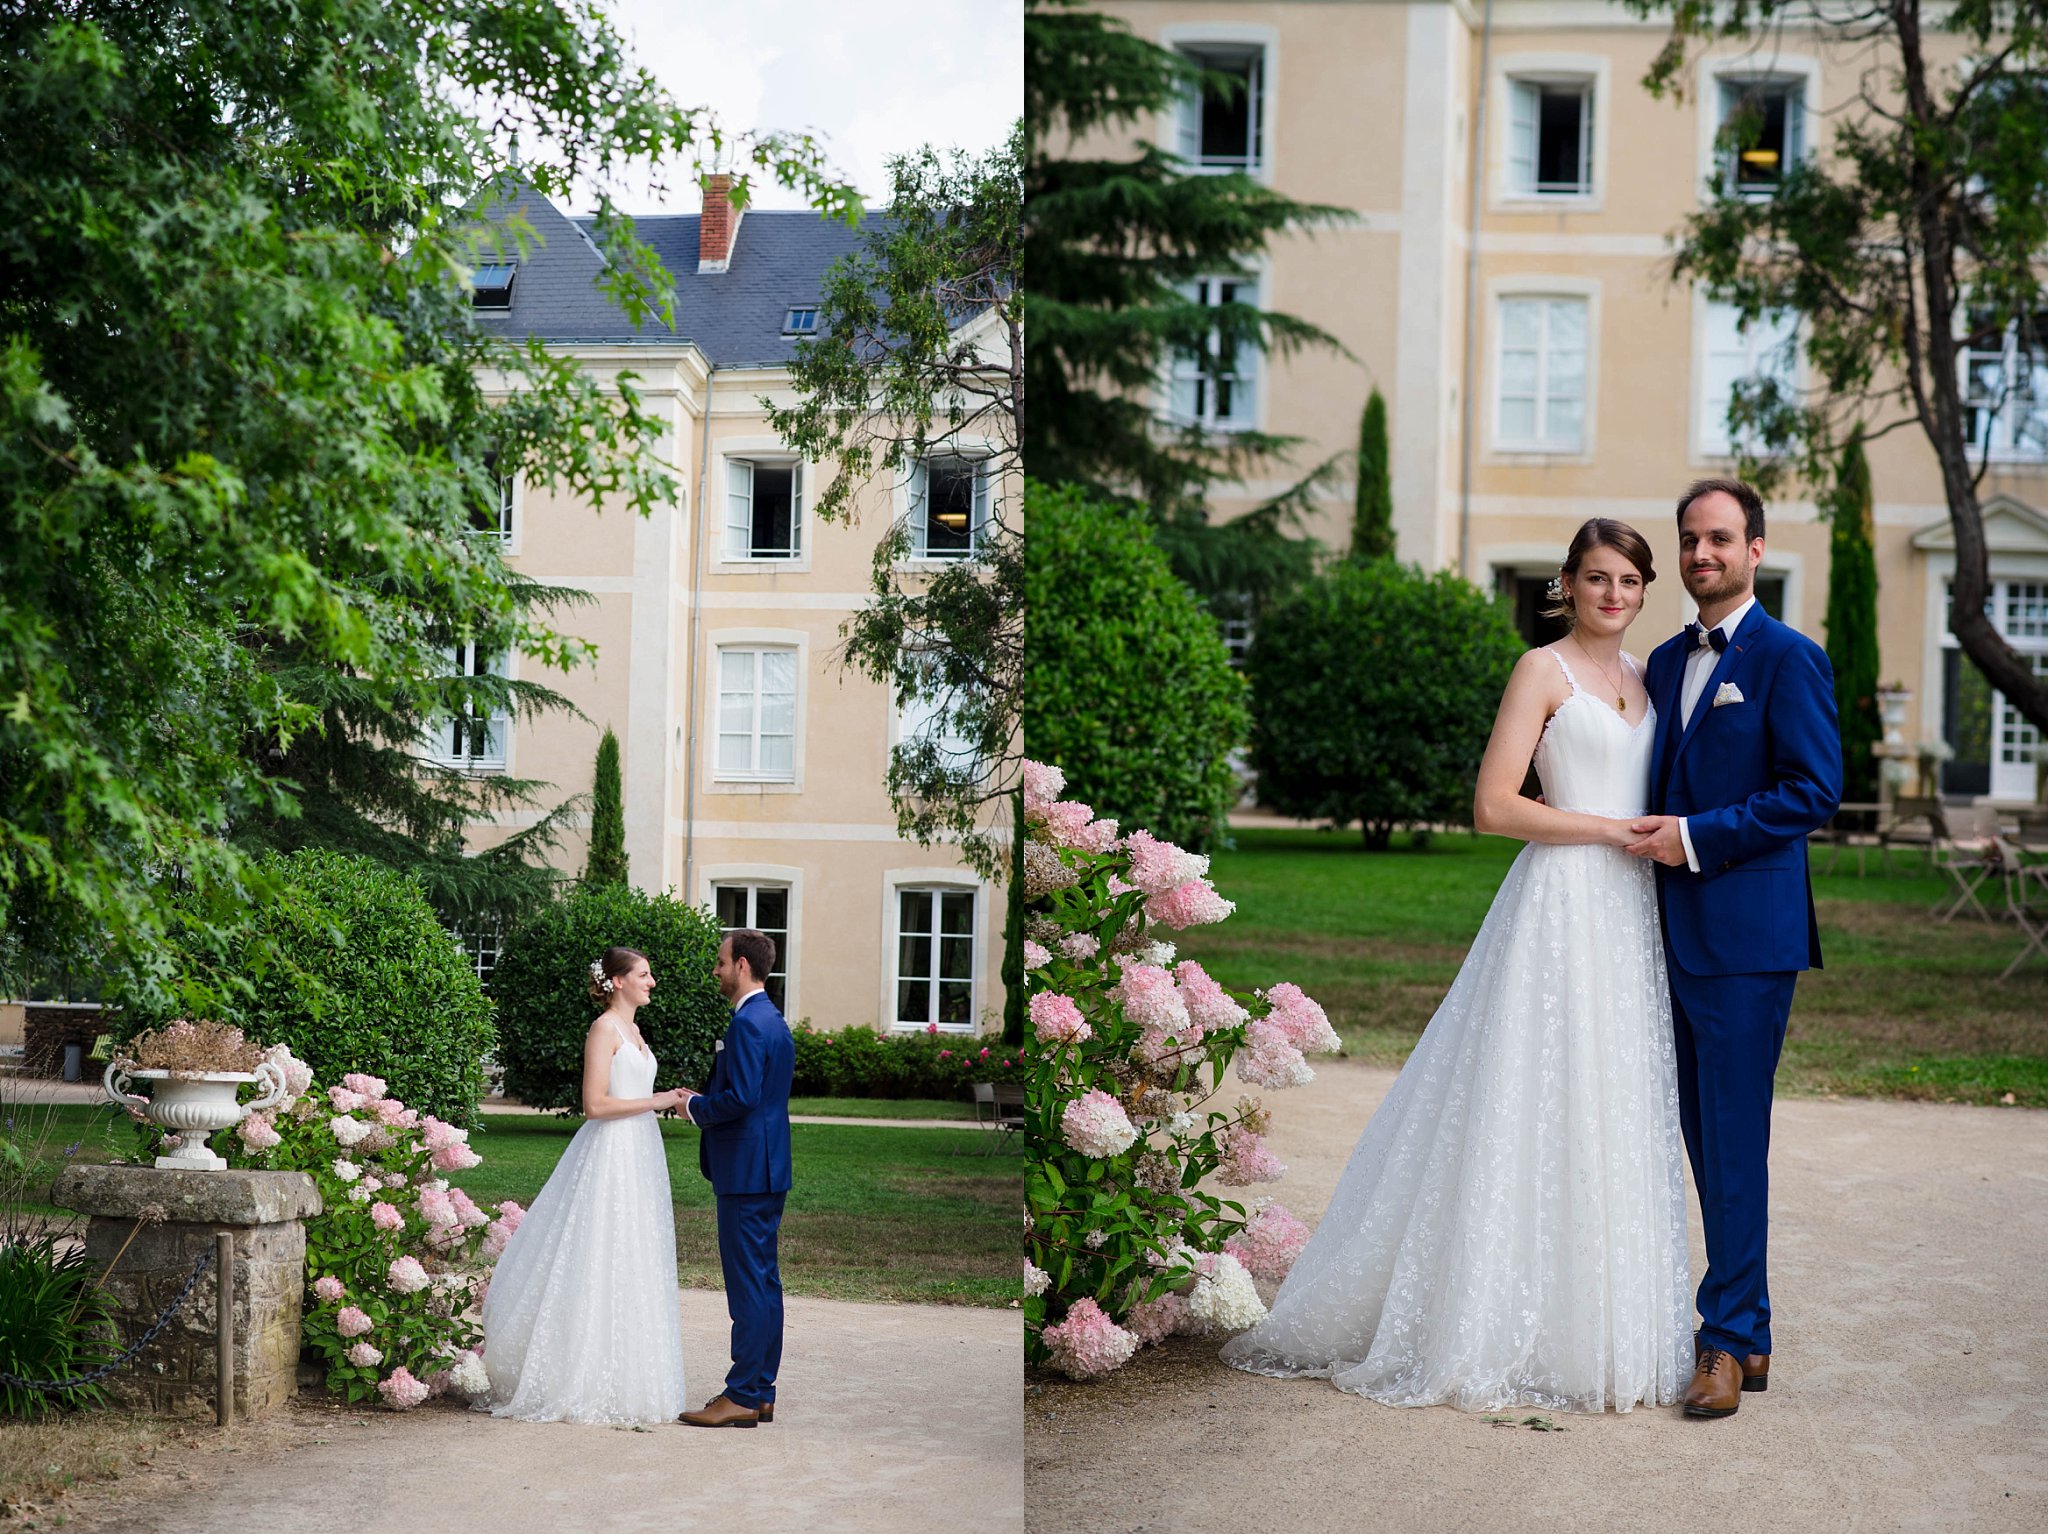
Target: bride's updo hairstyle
{"type": "Point", "coordinates": [616, 962]}
{"type": "Point", "coordinates": [1598, 533]}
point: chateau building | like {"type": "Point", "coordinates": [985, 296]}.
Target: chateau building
{"type": "Point", "coordinates": [1539, 364]}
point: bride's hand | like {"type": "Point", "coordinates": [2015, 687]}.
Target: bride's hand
{"type": "Point", "coordinates": [1621, 833]}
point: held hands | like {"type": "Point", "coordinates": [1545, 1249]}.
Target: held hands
{"type": "Point", "coordinates": [673, 1099]}
{"type": "Point", "coordinates": [1656, 837]}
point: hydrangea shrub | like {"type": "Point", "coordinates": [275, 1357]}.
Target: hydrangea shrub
{"type": "Point", "coordinates": [397, 1259]}
{"type": "Point", "coordinates": [1131, 1113]}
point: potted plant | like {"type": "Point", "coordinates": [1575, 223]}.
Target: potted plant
{"type": "Point", "coordinates": [198, 1068]}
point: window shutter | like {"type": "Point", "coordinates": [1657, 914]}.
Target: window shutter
{"type": "Point", "coordinates": [920, 494]}
{"type": "Point", "coordinates": [1255, 109]}
{"type": "Point", "coordinates": [739, 509]}
{"type": "Point", "coordinates": [982, 487]}
{"type": "Point", "coordinates": [1586, 139]}
{"type": "Point", "coordinates": [1188, 121]}
{"type": "Point", "coordinates": [1795, 125]}
{"type": "Point", "coordinates": [491, 750]}
{"type": "Point", "coordinates": [796, 507]}
{"type": "Point", "coordinates": [1525, 109]}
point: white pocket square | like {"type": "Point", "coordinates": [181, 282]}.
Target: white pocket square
{"type": "Point", "coordinates": [1728, 692]}
{"type": "Point", "coordinates": [715, 1048]}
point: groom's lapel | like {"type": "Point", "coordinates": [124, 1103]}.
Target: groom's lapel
{"type": "Point", "coordinates": [1669, 691]}
{"type": "Point", "coordinates": [1746, 634]}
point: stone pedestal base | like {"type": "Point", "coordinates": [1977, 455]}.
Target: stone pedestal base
{"type": "Point", "coordinates": [176, 1373]}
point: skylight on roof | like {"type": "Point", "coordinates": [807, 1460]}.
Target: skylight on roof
{"type": "Point", "coordinates": [493, 284]}
{"type": "Point", "coordinates": [801, 322]}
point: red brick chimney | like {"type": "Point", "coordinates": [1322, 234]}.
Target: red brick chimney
{"type": "Point", "coordinates": [718, 227]}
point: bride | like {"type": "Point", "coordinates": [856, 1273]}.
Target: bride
{"type": "Point", "coordinates": [1510, 1230]}
{"type": "Point", "coordinates": [581, 1322]}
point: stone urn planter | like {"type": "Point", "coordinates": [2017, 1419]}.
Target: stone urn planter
{"type": "Point", "coordinates": [194, 1105]}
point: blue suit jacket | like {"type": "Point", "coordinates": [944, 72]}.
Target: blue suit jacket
{"type": "Point", "coordinates": [1752, 780]}
{"type": "Point", "coordinates": [744, 1109]}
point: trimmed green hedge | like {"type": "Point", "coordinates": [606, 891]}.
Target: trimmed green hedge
{"type": "Point", "coordinates": [859, 1062]}
{"type": "Point", "coordinates": [371, 981]}
{"type": "Point", "coordinates": [542, 988]}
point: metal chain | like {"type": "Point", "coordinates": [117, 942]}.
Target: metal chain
{"type": "Point", "coordinates": [127, 1357]}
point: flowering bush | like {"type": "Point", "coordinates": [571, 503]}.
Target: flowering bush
{"type": "Point", "coordinates": [859, 1062]}
{"type": "Point", "coordinates": [1124, 1244]}
{"type": "Point", "coordinates": [393, 1258]}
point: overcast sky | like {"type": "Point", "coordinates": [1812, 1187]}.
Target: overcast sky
{"type": "Point", "coordinates": [870, 78]}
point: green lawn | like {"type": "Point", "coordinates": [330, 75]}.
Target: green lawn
{"type": "Point", "coordinates": [1905, 1008]}
{"type": "Point", "coordinates": [883, 1108]}
{"type": "Point", "coordinates": [876, 1214]}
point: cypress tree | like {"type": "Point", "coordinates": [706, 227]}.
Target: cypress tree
{"type": "Point", "coordinates": [1372, 534]}
{"type": "Point", "coordinates": [607, 863]}
{"type": "Point", "coordinates": [1852, 620]}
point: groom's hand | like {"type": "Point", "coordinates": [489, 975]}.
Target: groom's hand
{"type": "Point", "coordinates": [1658, 839]}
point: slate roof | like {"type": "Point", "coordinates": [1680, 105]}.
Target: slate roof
{"type": "Point", "coordinates": [734, 317]}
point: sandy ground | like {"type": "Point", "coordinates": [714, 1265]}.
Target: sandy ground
{"type": "Point", "coordinates": [891, 1418]}
{"type": "Point", "coordinates": [1909, 1388]}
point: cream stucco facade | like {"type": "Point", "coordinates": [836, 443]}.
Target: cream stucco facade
{"type": "Point", "coordinates": [1593, 377]}
{"type": "Point", "coordinates": [809, 824]}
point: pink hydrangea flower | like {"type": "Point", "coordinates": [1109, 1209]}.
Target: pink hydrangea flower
{"type": "Point", "coordinates": [1042, 785]}
{"type": "Point", "coordinates": [1270, 1241]}
{"type": "Point", "coordinates": [466, 1211]}
{"type": "Point", "coordinates": [1150, 999]}
{"type": "Point", "coordinates": [1087, 1344]}
{"type": "Point", "coordinates": [437, 1208]}
{"type": "Point", "coordinates": [1080, 946]}
{"type": "Point", "coordinates": [1193, 904]}
{"type": "Point", "coordinates": [1269, 1060]}
{"type": "Point", "coordinates": [1057, 1020]}
{"type": "Point", "coordinates": [441, 1135]}
{"type": "Point", "coordinates": [385, 1216]}
{"type": "Point", "coordinates": [1209, 1006]}
{"type": "Point", "coordinates": [1247, 1159]}
{"type": "Point", "coordinates": [455, 1158]}
{"type": "Point", "coordinates": [327, 1289]}
{"type": "Point", "coordinates": [1155, 1320]}
{"type": "Point", "coordinates": [351, 1322]}
{"type": "Point", "coordinates": [511, 1214]}
{"type": "Point", "coordinates": [1095, 1124]}
{"type": "Point", "coordinates": [1301, 1021]}
{"type": "Point", "coordinates": [364, 1356]}
{"type": "Point", "coordinates": [365, 1086]}
{"type": "Point", "coordinates": [389, 1111]}
{"type": "Point", "coordinates": [258, 1131]}
{"type": "Point", "coordinates": [401, 1390]}
{"type": "Point", "coordinates": [344, 1100]}
{"type": "Point", "coordinates": [1157, 866]}
{"type": "Point", "coordinates": [1036, 955]}
{"type": "Point", "coordinates": [407, 1276]}
{"type": "Point", "coordinates": [496, 1238]}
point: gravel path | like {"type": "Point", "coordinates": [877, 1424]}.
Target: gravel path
{"type": "Point", "coordinates": [1909, 1390]}
{"type": "Point", "coordinates": [891, 1418]}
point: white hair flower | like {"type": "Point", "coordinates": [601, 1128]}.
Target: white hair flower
{"type": "Point", "coordinates": [599, 978]}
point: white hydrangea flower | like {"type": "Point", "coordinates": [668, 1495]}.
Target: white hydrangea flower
{"type": "Point", "coordinates": [348, 1130]}
{"type": "Point", "coordinates": [1225, 1299]}
{"type": "Point", "coordinates": [346, 1169]}
{"type": "Point", "coordinates": [359, 1194]}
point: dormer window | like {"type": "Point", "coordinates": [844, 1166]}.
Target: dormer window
{"type": "Point", "coordinates": [801, 321]}
{"type": "Point", "coordinates": [493, 284]}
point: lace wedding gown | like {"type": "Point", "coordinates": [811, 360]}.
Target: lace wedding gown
{"type": "Point", "coordinates": [582, 1322]}
{"type": "Point", "coordinates": [1510, 1230]}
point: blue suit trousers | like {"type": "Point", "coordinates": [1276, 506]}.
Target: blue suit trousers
{"type": "Point", "coordinates": [1730, 1030]}
{"type": "Point", "coordinates": [748, 1224]}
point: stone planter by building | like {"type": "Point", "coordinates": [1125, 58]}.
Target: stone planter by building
{"type": "Point", "coordinates": [194, 1105]}
{"type": "Point", "coordinates": [265, 1210]}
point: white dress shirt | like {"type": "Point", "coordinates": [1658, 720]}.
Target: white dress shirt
{"type": "Point", "coordinates": [1699, 666]}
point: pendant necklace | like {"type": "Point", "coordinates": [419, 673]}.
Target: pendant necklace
{"type": "Point", "coordinates": [1620, 697]}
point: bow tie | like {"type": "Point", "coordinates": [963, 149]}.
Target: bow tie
{"type": "Point", "coordinates": [1699, 638]}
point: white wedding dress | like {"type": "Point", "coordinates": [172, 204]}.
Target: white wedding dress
{"type": "Point", "coordinates": [582, 1321]}
{"type": "Point", "coordinates": [1510, 1230]}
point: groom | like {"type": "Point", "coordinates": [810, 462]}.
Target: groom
{"type": "Point", "coordinates": [744, 1153]}
{"type": "Point", "coordinates": [1747, 761]}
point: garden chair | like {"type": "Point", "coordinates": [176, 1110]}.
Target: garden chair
{"type": "Point", "coordinates": [1853, 827]}
{"type": "Point", "coordinates": [999, 1106]}
{"type": "Point", "coordinates": [2026, 902]}
{"type": "Point", "coordinates": [1968, 852]}
{"type": "Point", "coordinates": [1916, 824]}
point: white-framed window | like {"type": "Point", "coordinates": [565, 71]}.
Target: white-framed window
{"type": "Point", "coordinates": [1550, 138]}
{"type": "Point", "coordinates": [765, 907]}
{"type": "Point", "coordinates": [764, 508]}
{"type": "Point", "coordinates": [1222, 126]}
{"type": "Point", "coordinates": [757, 709]}
{"type": "Point", "coordinates": [935, 959]}
{"type": "Point", "coordinates": [949, 506]}
{"type": "Point", "coordinates": [1730, 352]}
{"type": "Point", "coordinates": [491, 286]}
{"type": "Point", "coordinates": [472, 740]}
{"type": "Point", "coordinates": [480, 941]}
{"type": "Point", "coordinates": [1216, 388]}
{"type": "Point", "coordinates": [1540, 373]}
{"type": "Point", "coordinates": [800, 320]}
{"type": "Point", "coordinates": [2005, 388]}
{"type": "Point", "coordinates": [1778, 105]}
{"type": "Point", "coordinates": [917, 718]}
{"type": "Point", "coordinates": [2018, 609]}
{"type": "Point", "coordinates": [493, 517]}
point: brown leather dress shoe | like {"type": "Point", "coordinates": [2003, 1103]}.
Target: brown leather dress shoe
{"type": "Point", "coordinates": [721, 1411]}
{"type": "Point", "coordinates": [1756, 1369]}
{"type": "Point", "coordinates": [1716, 1388]}
{"type": "Point", "coordinates": [768, 1407]}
